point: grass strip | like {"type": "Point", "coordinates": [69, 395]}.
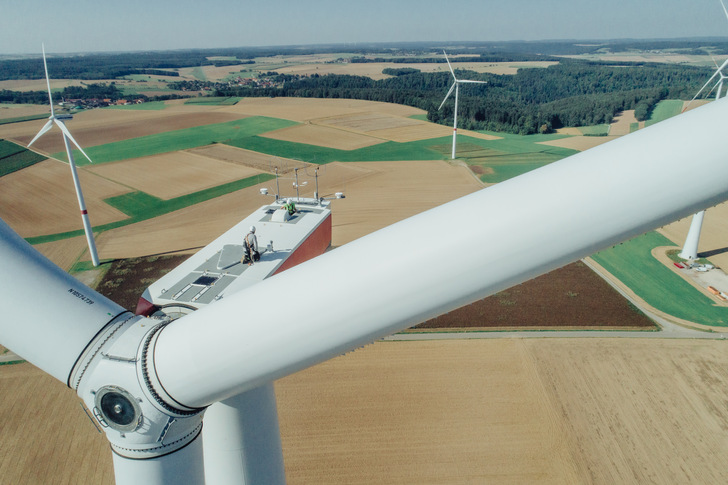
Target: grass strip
{"type": "Point", "coordinates": [14, 157]}
{"type": "Point", "coordinates": [633, 264]}
{"type": "Point", "coordinates": [19, 119]}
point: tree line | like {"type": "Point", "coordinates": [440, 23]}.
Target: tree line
{"type": "Point", "coordinates": [571, 93]}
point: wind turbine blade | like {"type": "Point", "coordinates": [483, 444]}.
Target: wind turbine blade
{"type": "Point", "coordinates": [472, 82]}
{"type": "Point", "coordinates": [48, 81]}
{"type": "Point", "coordinates": [724, 9]}
{"type": "Point", "coordinates": [717, 72]}
{"type": "Point", "coordinates": [48, 316]}
{"type": "Point", "coordinates": [65, 131]}
{"type": "Point", "coordinates": [401, 275]}
{"type": "Point", "coordinates": [447, 95]}
{"type": "Point", "coordinates": [450, 66]}
{"type": "Point", "coordinates": [46, 127]}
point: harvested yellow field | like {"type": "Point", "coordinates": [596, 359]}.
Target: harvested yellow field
{"type": "Point", "coordinates": [41, 199]}
{"type": "Point", "coordinates": [19, 110]}
{"type": "Point", "coordinates": [639, 411]}
{"type": "Point", "coordinates": [40, 84]}
{"type": "Point", "coordinates": [100, 126]}
{"type": "Point", "coordinates": [323, 136]}
{"type": "Point", "coordinates": [374, 70]}
{"type": "Point", "coordinates": [247, 158]}
{"type": "Point", "coordinates": [394, 191]}
{"type": "Point", "coordinates": [66, 252]}
{"type": "Point", "coordinates": [713, 236]}
{"type": "Point", "coordinates": [308, 109]}
{"type": "Point", "coordinates": [559, 411]}
{"type": "Point", "coordinates": [688, 105]}
{"type": "Point", "coordinates": [47, 438]}
{"type": "Point", "coordinates": [368, 121]}
{"type": "Point", "coordinates": [392, 127]}
{"type": "Point", "coordinates": [580, 143]}
{"type": "Point", "coordinates": [426, 413]}
{"type": "Point", "coordinates": [378, 194]}
{"type": "Point", "coordinates": [621, 125]}
{"type": "Point", "coordinates": [413, 132]}
{"type": "Point", "coordinates": [172, 174]}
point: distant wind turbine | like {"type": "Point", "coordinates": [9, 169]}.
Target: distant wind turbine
{"type": "Point", "coordinates": [456, 87]}
{"type": "Point", "coordinates": [690, 248]}
{"type": "Point", "coordinates": [58, 121]}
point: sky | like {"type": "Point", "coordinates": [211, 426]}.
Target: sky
{"type": "Point", "coordinates": [137, 25]}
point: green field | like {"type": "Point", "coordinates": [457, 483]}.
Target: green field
{"type": "Point", "coordinates": [178, 140]}
{"type": "Point", "coordinates": [664, 110]}
{"type": "Point", "coordinates": [5, 121]}
{"type": "Point", "coordinates": [507, 157]}
{"type": "Point", "coordinates": [151, 106]}
{"type": "Point", "coordinates": [633, 264]}
{"type": "Point", "coordinates": [596, 130]}
{"type": "Point", "coordinates": [387, 151]}
{"type": "Point", "coordinates": [14, 157]}
{"type": "Point", "coordinates": [214, 100]}
{"type": "Point", "coordinates": [199, 74]}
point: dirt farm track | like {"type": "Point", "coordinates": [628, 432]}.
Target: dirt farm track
{"type": "Point", "coordinates": [598, 410]}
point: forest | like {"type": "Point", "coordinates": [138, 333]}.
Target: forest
{"type": "Point", "coordinates": [571, 93]}
{"type": "Point", "coordinates": [535, 100]}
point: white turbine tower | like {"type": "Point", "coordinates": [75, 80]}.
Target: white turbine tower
{"type": "Point", "coordinates": [456, 87]}
{"type": "Point", "coordinates": [690, 248]}
{"type": "Point", "coordinates": [147, 382]}
{"type": "Point", "coordinates": [58, 121]}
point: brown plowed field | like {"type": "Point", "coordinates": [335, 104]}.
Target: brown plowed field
{"type": "Point", "coordinates": [570, 297]}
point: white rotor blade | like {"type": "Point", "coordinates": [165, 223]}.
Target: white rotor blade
{"type": "Point", "coordinates": [48, 81]}
{"type": "Point", "coordinates": [65, 131]}
{"type": "Point", "coordinates": [724, 9]}
{"type": "Point", "coordinates": [472, 82]}
{"type": "Point", "coordinates": [448, 94]}
{"type": "Point", "coordinates": [46, 127]}
{"type": "Point", "coordinates": [48, 316]}
{"type": "Point", "coordinates": [450, 66]}
{"type": "Point", "coordinates": [716, 73]}
{"type": "Point", "coordinates": [445, 258]}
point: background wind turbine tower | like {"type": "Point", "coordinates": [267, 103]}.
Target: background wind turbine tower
{"type": "Point", "coordinates": [690, 248]}
{"type": "Point", "coordinates": [58, 121]}
{"type": "Point", "coordinates": [456, 87]}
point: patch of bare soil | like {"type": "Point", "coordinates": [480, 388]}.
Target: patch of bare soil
{"type": "Point", "coordinates": [572, 296]}
{"type": "Point", "coordinates": [125, 281]}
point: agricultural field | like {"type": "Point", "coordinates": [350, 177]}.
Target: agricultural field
{"type": "Point", "coordinates": [656, 283]}
{"type": "Point", "coordinates": [513, 410]}
{"type": "Point", "coordinates": [374, 70]}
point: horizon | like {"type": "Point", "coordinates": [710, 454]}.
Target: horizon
{"type": "Point", "coordinates": [383, 44]}
{"type": "Point", "coordinates": [87, 27]}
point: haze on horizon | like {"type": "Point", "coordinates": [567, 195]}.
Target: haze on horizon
{"type": "Point", "coordinates": [136, 25]}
